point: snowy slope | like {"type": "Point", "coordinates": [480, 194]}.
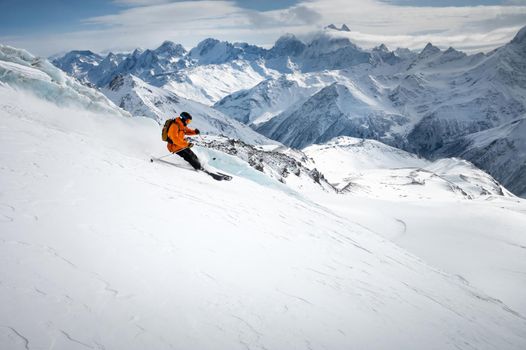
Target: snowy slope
{"type": "Point", "coordinates": [354, 155]}
{"type": "Point", "coordinates": [101, 249]}
{"type": "Point", "coordinates": [370, 168]}
{"type": "Point", "coordinates": [142, 99]}
{"type": "Point", "coordinates": [424, 210]}
{"type": "Point", "coordinates": [210, 83]}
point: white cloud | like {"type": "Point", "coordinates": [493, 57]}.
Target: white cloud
{"type": "Point", "coordinates": [372, 22]}
{"type": "Point", "coordinates": [469, 28]}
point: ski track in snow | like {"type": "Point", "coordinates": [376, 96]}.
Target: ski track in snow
{"type": "Point", "coordinates": [24, 340]}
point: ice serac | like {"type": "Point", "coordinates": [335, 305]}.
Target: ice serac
{"type": "Point", "coordinates": [21, 70]}
{"type": "Point", "coordinates": [290, 167]}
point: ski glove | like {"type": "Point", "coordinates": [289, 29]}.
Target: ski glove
{"type": "Point", "coordinates": [197, 132]}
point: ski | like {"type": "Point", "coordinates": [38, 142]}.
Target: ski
{"type": "Point", "coordinates": [218, 176]}
{"type": "Point", "coordinates": [215, 175]}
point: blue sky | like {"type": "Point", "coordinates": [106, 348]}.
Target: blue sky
{"type": "Point", "coordinates": [51, 26]}
{"type": "Point", "coordinates": [27, 16]}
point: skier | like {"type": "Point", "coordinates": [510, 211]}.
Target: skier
{"type": "Point", "coordinates": [177, 142]}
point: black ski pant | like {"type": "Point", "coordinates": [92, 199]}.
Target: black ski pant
{"type": "Point", "coordinates": [191, 158]}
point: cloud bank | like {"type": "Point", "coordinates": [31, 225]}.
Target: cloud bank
{"type": "Point", "coordinates": [148, 23]}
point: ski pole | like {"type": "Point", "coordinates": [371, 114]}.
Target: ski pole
{"type": "Point", "coordinates": [204, 143]}
{"type": "Point", "coordinates": [169, 154]}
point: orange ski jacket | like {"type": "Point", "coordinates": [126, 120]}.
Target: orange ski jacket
{"type": "Point", "coordinates": [176, 134]}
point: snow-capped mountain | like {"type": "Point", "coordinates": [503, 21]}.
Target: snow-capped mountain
{"type": "Point", "coordinates": [441, 95]}
{"type": "Point", "coordinates": [432, 101]}
{"type": "Point", "coordinates": [78, 63]}
{"type": "Point", "coordinates": [335, 110]}
{"type": "Point", "coordinates": [269, 98]}
{"type": "Point", "coordinates": [231, 67]}
{"type": "Point", "coordinates": [150, 65]}
{"type": "Point", "coordinates": [102, 249]}
{"type": "Point", "coordinates": [213, 51]}
{"type": "Point", "coordinates": [499, 150]}
{"type": "Point", "coordinates": [208, 84]}
{"type": "Point", "coordinates": [87, 66]}
{"type": "Point", "coordinates": [103, 68]}
{"type": "Point", "coordinates": [490, 93]}
{"type": "Point", "coordinates": [141, 99]}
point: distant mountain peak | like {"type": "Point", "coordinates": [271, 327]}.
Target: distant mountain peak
{"type": "Point", "coordinates": [429, 50]}
{"type": "Point", "coordinates": [382, 48]}
{"type": "Point", "coordinates": [167, 44]}
{"type": "Point", "coordinates": [289, 45]}
{"type": "Point", "coordinates": [520, 38]}
{"type": "Point", "coordinates": [172, 48]}
{"type": "Point", "coordinates": [137, 52]}
{"type": "Point", "coordinates": [287, 37]}
{"type": "Point", "coordinates": [83, 52]}
{"type": "Point", "coordinates": [343, 28]}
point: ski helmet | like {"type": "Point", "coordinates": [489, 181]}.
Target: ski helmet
{"type": "Point", "coordinates": [185, 116]}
